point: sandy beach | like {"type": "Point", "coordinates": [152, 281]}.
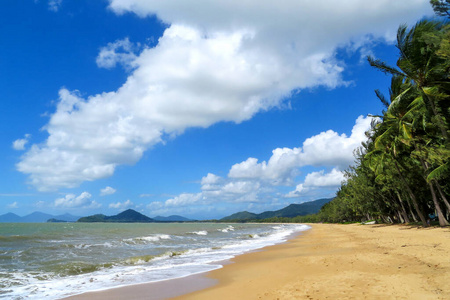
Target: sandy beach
{"type": "Point", "coordinates": [327, 262]}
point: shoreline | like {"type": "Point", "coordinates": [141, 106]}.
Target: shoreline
{"type": "Point", "coordinates": [327, 261]}
{"type": "Point", "coordinates": [164, 289]}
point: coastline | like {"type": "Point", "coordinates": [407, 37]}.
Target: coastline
{"type": "Point", "coordinates": [327, 261]}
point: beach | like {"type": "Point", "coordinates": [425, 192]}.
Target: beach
{"type": "Point", "coordinates": [327, 262]}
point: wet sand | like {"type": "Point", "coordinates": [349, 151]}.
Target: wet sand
{"type": "Point", "coordinates": [327, 262]}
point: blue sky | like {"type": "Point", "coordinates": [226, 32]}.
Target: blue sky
{"type": "Point", "coordinates": [198, 108]}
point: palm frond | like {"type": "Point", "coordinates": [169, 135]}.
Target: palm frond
{"type": "Point", "coordinates": [438, 172]}
{"type": "Point", "coordinates": [383, 67]}
{"type": "Point", "coordinates": [382, 98]}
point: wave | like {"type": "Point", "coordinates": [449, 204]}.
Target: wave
{"type": "Point", "coordinates": [147, 239]}
{"type": "Point", "coordinates": [227, 229]}
{"type": "Point", "coordinates": [201, 232]}
{"type": "Point", "coordinates": [145, 258]}
{"type": "Point", "coordinates": [78, 267]}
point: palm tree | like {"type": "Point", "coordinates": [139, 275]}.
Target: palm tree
{"type": "Point", "coordinates": [426, 71]}
{"type": "Point", "coordinates": [418, 112]}
{"type": "Point", "coordinates": [441, 7]}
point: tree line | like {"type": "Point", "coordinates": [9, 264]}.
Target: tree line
{"type": "Point", "coordinates": [402, 172]}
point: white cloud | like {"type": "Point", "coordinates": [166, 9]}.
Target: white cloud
{"type": "Point", "coordinates": [121, 205]}
{"type": "Point", "coordinates": [325, 149]}
{"type": "Point", "coordinates": [211, 182]}
{"type": "Point", "coordinates": [121, 51]}
{"type": "Point", "coordinates": [183, 200]}
{"type": "Point", "coordinates": [262, 183]}
{"type": "Point", "coordinates": [264, 50]}
{"type": "Point", "coordinates": [13, 205]}
{"type": "Point", "coordinates": [240, 187]}
{"type": "Point", "coordinates": [330, 148]}
{"type": "Point", "coordinates": [54, 5]}
{"type": "Point", "coordinates": [19, 144]}
{"type": "Point", "coordinates": [210, 179]}
{"type": "Point", "coordinates": [107, 191]}
{"type": "Point", "coordinates": [156, 205]}
{"type": "Point", "coordinates": [73, 201]}
{"type": "Point", "coordinates": [319, 179]}
{"type": "Point", "coordinates": [299, 190]}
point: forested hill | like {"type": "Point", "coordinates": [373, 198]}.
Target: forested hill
{"type": "Point", "coordinates": [127, 216]}
{"type": "Point", "coordinates": [290, 211]}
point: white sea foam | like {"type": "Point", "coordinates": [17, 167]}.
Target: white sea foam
{"type": "Point", "coordinates": [225, 230]}
{"type": "Point", "coordinates": [185, 259]}
{"type": "Point", "coordinates": [147, 239]}
{"type": "Point", "coordinates": [201, 232]}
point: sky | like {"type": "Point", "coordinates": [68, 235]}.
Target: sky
{"type": "Point", "coordinates": [194, 108]}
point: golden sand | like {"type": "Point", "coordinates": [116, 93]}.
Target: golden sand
{"type": "Point", "coordinates": [342, 262]}
{"type": "Point", "coordinates": [327, 262]}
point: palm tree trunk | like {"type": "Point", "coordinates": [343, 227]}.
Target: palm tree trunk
{"type": "Point", "coordinates": [442, 195]}
{"type": "Point", "coordinates": [405, 214]}
{"type": "Point", "coordinates": [442, 221]}
{"type": "Point", "coordinates": [413, 197]}
{"type": "Point", "coordinates": [413, 215]}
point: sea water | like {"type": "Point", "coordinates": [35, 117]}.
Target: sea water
{"type": "Point", "coordinates": [55, 260]}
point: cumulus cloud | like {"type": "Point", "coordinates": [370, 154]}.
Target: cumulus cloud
{"type": "Point", "coordinates": [318, 180]}
{"type": "Point", "coordinates": [122, 205]}
{"type": "Point", "coordinates": [262, 183]}
{"type": "Point", "coordinates": [119, 52]}
{"type": "Point", "coordinates": [325, 149]}
{"type": "Point", "coordinates": [184, 200]}
{"type": "Point", "coordinates": [265, 50]}
{"type": "Point", "coordinates": [20, 144]}
{"type": "Point", "coordinates": [73, 201]}
{"type": "Point", "coordinates": [107, 191]}
{"type": "Point", "coordinates": [299, 190]}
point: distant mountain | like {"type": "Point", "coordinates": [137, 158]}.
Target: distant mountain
{"type": "Point", "coordinates": [290, 211]}
{"type": "Point", "coordinates": [10, 218]}
{"type": "Point", "coordinates": [242, 216]}
{"type": "Point", "coordinates": [67, 218]}
{"type": "Point", "coordinates": [173, 218]}
{"type": "Point", "coordinates": [36, 217]}
{"type": "Point", "coordinates": [127, 216]}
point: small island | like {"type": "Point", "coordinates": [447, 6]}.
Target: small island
{"type": "Point", "coordinates": [127, 216]}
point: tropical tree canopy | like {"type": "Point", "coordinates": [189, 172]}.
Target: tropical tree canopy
{"type": "Point", "coordinates": [402, 173]}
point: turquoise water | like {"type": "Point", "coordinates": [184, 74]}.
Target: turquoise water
{"type": "Point", "coordinates": [53, 260]}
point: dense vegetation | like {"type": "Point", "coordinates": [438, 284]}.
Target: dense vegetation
{"type": "Point", "coordinates": [402, 172]}
{"type": "Point", "coordinates": [288, 214]}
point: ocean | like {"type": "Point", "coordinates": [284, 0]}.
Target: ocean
{"type": "Point", "coordinates": [55, 260]}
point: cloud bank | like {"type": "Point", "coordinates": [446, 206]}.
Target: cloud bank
{"type": "Point", "coordinates": [218, 61]}
{"type": "Point", "coordinates": [73, 201]}
{"type": "Point", "coordinates": [252, 183]}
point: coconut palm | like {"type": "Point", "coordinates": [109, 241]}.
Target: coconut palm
{"type": "Point", "coordinates": [426, 71]}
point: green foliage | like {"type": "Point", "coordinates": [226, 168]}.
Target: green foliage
{"type": "Point", "coordinates": [441, 7]}
{"type": "Point", "coordinates": [290, 211]}
{"type": "Point", "coordinates": [403, 171]}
